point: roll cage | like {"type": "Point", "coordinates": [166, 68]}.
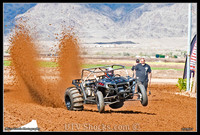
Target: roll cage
{"type": "Point", "coordinates": [102, 69]}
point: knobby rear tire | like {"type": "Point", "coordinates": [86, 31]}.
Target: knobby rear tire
{"type": "Point", "coordinates": [73, 99]}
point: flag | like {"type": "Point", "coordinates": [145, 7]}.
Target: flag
{"type": "Point", "coordinates": [193, 55]}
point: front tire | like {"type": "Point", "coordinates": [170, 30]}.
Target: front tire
{"type": "Point", "coordinates": [73, 99]}
{"type": "Point", "coordinates": [100, 101]}
{"type": "Point", "coordinates": [144, 99]}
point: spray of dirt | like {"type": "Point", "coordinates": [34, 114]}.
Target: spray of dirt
{"type": "Point", "coordinates": [68, 60]}
{"type": "Point", "coordinates": [24, 59]}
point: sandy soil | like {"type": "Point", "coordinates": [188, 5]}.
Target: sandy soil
{"type": "Point", "coordinates": [165, 112]}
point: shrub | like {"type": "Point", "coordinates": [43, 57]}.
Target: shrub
{"type": "Point", "coordinates": [126, 54]}
{"type": "Point", "coordinates": [175, 56]}
{"type": "Point", "coordinates": [182, 84]}
{"type": "Point", "coordinates": [7, 51]}
{"type": "Point", "coordinates": [141, 54]}
{"type": "Point", "coordinates": [162, 56]}
{"type": "Point", "coordinates": [157, 55]}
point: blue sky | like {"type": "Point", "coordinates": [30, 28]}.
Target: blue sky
{"type": "Point", "coordinates": [10, 10]}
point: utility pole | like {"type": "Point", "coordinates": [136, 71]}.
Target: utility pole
{"type": "Point", "coordinates": [189, 40]}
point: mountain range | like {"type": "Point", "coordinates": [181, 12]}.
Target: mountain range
{"type": "Point", "coordinates": [93, 22]}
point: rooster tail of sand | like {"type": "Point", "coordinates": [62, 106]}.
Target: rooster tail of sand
{"type": "Point", "coordinates": [24, 62]}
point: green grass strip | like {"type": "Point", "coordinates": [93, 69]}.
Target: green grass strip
{"type": "Point", "coordinates": [161, 68]}
{"type": "Point", "coordinates": [54, 64]}
{"type": "Point", "coordinates": [41, 63]}
{"type": "Point", "coordinates": [47, 64]}
{"type": "Point", "coordinates": [6, 63]}
{"type": "Point", "coordinates": [92, 65]}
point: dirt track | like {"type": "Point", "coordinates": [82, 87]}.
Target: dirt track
{"type": "Point", "coordinates": [165, 112]}
{"type": "Point", "coordinates": [43, 100]}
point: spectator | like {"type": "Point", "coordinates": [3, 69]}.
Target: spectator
{"type": "Point", "coordinates": [133, 67]}
{"type": "Point", "coordinates": [143, 73]}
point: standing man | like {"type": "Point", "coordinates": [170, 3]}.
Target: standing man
{"type": "Point", "coordinates": [143, 73]}
{"type": "Point", "coordinates": [133, 67]}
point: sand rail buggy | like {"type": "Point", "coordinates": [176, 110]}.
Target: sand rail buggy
{"type": "Point", "coordinates": [95, 88]}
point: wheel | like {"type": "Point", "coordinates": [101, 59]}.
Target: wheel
{"type": "Point", "coordinates": [73, 99]}
{"type": "Point", "coordinates": [144, 98]}
{"type": "Point", "coordinates": [100, 101]}
{"type": "Point", "coordinates": [117, 105]}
